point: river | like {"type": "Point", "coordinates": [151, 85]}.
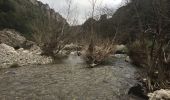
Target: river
{"type": "Point", "coordinates": [68, 80]}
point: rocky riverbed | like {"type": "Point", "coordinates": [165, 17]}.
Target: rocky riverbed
{"type": "Point", "coordinates": [9, 56]}
{"type": "Point", "coordinates": [15, 49]}
{"type": "Point", "coordinates": [68, 81]}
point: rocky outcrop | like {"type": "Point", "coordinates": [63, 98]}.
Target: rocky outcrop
{"type": "Point", "coordinates": [9, 56]}
{"type": "Point", "coordinates": [11, 38]}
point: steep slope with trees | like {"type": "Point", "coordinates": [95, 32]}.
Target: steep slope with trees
{"type": "Point", "coordinates": [29, 16]}
{"type": "Point", "coordinates": [133, 19]}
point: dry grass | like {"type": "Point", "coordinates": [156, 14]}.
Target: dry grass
{"type": "Point", "coordinates": [97, 52]}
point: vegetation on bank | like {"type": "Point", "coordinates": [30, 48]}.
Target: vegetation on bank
{"type": "Point", "coordinates": [143, 25]}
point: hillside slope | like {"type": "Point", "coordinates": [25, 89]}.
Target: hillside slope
{"type": "Point", "coordinates": [29, 16]}
{"type": "Point", "coordinates": [132, 19]}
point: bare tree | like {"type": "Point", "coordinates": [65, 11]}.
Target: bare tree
{"type": "Point", "coordinates": [98, 49]}
{"type": "Point", "coordinates": [68, 9]}
{"type": "Point", "coordinates": [57, 38]}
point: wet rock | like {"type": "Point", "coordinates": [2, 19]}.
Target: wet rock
{"type": "Point", "coordinates": [138, 91]}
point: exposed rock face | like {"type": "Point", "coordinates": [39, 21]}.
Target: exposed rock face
{"type": "Point", "coordinates": [9, 56]}
{"type": "Point", "coordinates": [160, 95]}
{"type": "Point", "coordinates": [11, 38]}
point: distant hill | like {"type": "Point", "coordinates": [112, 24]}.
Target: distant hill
{"type": "Point", "coordinates": [132, 19]}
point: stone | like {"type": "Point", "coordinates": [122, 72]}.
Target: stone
{"type": "Point", "coordinates": [127, 59]}
{"type": "Point", "coordinates": [121, 49]}
{"type": "Point", "coordinates": [162, 94]}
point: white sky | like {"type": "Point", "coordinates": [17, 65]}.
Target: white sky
{"type": "Point", "coordinates": [80, 8]}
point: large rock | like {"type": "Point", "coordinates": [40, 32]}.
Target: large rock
{"type": "Point", "coordinates": [160, 95]}
{"type": "Point", "coordinates": [11, 38]}
{"type": "Point", "coordinates": [121, 49]}
{"type": "Point", "coordinates": [9, 56]}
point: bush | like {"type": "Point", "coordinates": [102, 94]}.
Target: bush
{"type": "Point", "coordinates": [154, 58]}
{"type": "Point", "coordinates": [96, 53]}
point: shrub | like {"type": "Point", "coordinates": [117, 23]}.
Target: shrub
{"type": "Point", "coordinates": [96, 53]}
{"type": "Point", "coordinates": [154, 58]}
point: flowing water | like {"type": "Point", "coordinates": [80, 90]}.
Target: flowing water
{"type": "Point", "coordinates": [68, 80]}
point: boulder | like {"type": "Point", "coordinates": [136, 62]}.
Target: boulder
{"type": "Point", "coordinates": [161, 94]}
{"type": "Point", "coordinates": [121, 49]}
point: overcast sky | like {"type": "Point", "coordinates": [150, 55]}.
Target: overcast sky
{"type": "Point", "coordinates": [80, 8]}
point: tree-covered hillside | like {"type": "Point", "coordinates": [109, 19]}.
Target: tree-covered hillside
{"type": "Point", "coordinates": [133, 19]}
{"type": "Point", "coordinates": [29, 16]}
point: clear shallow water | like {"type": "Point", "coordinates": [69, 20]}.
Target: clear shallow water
{"type": "Point", "coordinates": [68, 81]}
